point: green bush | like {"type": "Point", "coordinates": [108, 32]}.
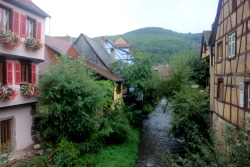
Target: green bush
{"type": "Point", "coordinates": [69, 101]}
{"type": "Point", "coordinates": [66, 154]}
{"type": "Point", "coordinates": [238, 144]}
{"type": "Point", "coordinates": [107, 87]}
{"type": "Point", "coordinates": [5, 155]}
{"type": "Point", "coordinates": [190, 108]}
{"type": "Point", "coordinates": [122, 155]}
{"type": "Point", "coordinates": [41, 161]}
{"type": "Point", "coordinates": [119, 125]}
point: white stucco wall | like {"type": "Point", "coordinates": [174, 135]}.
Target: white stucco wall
{"type": "Point", "coordinates": [19, 99]}
{"type": "Point", "coordinates": [21, 122]}
{"type": "Point", "coordinates": [21, 50]}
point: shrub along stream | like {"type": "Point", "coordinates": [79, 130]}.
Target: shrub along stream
{"type": "Point", "coordinates": [191, 121]}
{"type": "Point", "coordinates": [76, 121]}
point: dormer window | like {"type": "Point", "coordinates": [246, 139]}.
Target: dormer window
{"type": "Point", "coordinates": [30, 28]}
{"type": "Point", "coordinates": [4, 19]}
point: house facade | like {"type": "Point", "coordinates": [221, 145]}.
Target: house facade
{"type": "Point", "coordinates": [122, 43]}
{"type": "Point", "coordinates": [230, 64]}
{"type": "Point", "coordinates": [22, 25]}
{"type": "Point", "coordinates": [99, 60]}
{"type": "Point", "coordinates": [55, 46]}
{"type": "Point", "coordinates": [118, 51]}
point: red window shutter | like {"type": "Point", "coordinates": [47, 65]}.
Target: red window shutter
{"type": "Point", "coordinates": [16, 22]}
{"type": "Point", "coordinates": [33, 73]}
{"type": "Point", "coordinates": [23, 26]}
{"type": "Point", "coordinates": [38, 31]}
{"type": "Point", "coordinates": [18, 73]}
{"type": "Point", "coordinates": [9, 73]}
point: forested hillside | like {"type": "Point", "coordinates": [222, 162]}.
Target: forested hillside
{"type": "Point", "coordinates": [161, 42]}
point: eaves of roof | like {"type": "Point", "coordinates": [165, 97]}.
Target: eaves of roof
{"type": "Point", "coordinates": [118, 47]}
{"type": "Point", "coordinates": [103, 72]}
{"type": "Point", "coordinates": [215, 24]}
{"type": "Point", "coordinates": [29, 6]}
{"type": "Point", "coordinates": [91, 45]}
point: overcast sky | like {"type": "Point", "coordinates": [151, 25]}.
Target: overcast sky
{"type": "Point", "coordinates": [112, 17]}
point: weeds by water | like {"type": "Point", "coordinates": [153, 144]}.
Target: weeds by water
{"type": "Point", "coordinates": [123, 155]}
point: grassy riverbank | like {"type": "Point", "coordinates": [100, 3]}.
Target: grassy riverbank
{"type": "Point", "coordinates": [123, 155]}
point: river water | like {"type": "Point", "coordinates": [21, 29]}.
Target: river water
{"type": "Point", "coordinates": [154, 140]}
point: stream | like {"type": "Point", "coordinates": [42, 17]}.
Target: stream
{"type": "Point", "coordinates": [154, 139]}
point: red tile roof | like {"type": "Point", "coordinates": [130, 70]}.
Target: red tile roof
{"type": "Point", "coordinates": [58, 43]}
{"type": "Point", "coordinates": [64, 45]}
{"type": "Point", "coordinates": [29, 6]}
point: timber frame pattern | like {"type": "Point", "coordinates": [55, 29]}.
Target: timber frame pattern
{"type": "Point", "coordinates": [230, 61]}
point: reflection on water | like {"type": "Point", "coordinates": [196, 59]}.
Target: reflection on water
{"type": "Point", "coordinates": [154, 140]}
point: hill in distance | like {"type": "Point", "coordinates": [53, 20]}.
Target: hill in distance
{"type": "Point", "coordinates": [161, 42]}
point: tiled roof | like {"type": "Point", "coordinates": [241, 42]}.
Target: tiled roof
{"type": "Point", "coordinates": [58, 43]}
{"type": "Point", "coordinates": [99, 49]}
{"type": "Point", "coordinates": [105, 73]}
{"type": "Point", "coordinates": [64, 45]}
{"type": "Point", "coordinates": [111, 43]}
{"type": "Point", "coordinates": [29, 6]}
{"type": "Point", "coordinates": [123, 45]}
{"type": "Point", "coordinates": [215, 24]}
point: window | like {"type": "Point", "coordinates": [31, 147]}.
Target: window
{"type": "Point", "coordinates": [231, 45]}
{"type": "Point", "coordinates": [212, 60]}
{"type": "Point", "coordinates": [1, 72]}
{"type": "Point", "coordinates": [5, 134]}
{"type": "Point", "coordinates": [219, 51]}
{"type": "Point", "coordinates": [234, 4]}
{"type": "Point", "coordinates": [118, 88]}
{"type": "Point", "coordinates": [30, 28]}
{"type": "Point", "coordinates": [248, 94]}
{"type": "Point", "coordinates": [4, 19]}
{"type": "Point", "coordinates": [241, 87]}
{"type": "Point", "coordinates": [220, 90]}
{"type": "Point", "coordinates": [25, 73]}
{"type": "Point", "coordinates": [213, 50]}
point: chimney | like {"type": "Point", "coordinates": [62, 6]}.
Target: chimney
{"type": "Point", "coordinates": [103, 41]}
{"type": "Point", "coordinates": [112, 55]}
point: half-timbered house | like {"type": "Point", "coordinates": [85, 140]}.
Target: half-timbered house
{"type": "Point", "coordinates": [22, 28]}
{"type": "Point", "coordinates": [118, 52]}
{"type": "Point", "coordinates": [230, 63]}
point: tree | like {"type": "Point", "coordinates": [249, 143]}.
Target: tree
{"type": "Point", "coordinates": [137, 75]}
{"type": "Point", "coordinates": [69, 100]}
{"type": "Point", "coordinates": [198, 68]}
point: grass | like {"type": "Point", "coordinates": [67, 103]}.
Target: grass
{"type": "Point", "coordinates": [123, 155]}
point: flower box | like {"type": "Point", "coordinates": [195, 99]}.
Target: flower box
{"type": "Point", "coordinates": [32, 44]}
{"type": "Point", "coordinates": [29, 90]}
{"type": "Point", "coordinates": [9, 39]}
{"type": "Point", "coordinates": [7, 93]}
